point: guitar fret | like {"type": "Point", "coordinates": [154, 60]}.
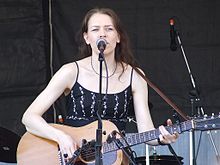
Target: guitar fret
{"type": "Point", "coordinates": [129, 140]}
{"type": "Point", "coordinates": [157, 133]}
{"type": "Point", "coordinates": [142, 137]}
{"type": "Point", "coordinates": [183, 126]}
{"type": "Point", "coordinates": [176, 128]}
{"type": "Point", "coordinates": [137, 138]}
{"type": "Point", "coordinates": [186, 125]}
{"type": "Point", "coordinates": [133, 138]}
{"type": "Point", "coordinates": [148, 136]}
{"type": "Point", "coordinates": [153, 134]}
{"type": "Point", "coordinates": [123, 142]}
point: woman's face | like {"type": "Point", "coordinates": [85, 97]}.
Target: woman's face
{"type": "Point", "coordinates": [101, 26]}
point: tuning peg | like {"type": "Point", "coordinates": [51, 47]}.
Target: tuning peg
{"type": "Point", "coordinates": [84, 142]}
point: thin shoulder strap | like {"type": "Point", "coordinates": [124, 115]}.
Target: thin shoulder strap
{"type": "Point", "coordinates": [132, 70]}
{"type": "Point", "coordinates": [77, 66]}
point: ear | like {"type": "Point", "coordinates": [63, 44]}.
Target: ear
{"type": "Point", "coordinates": [118, 40]}
{"type": "Point", "coordinates": [85, 36]}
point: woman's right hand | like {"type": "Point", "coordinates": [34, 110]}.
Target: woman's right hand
{"type": "Point", "coordinates": [67, 145]}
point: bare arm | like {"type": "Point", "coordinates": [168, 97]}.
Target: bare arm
{"type": "Point", "coordinates": [32, 118]}
{"type": "Point", "coordinates": [142, 112]}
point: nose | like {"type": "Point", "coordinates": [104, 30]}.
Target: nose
{"type": "Point", "coordinates": [102, 33]}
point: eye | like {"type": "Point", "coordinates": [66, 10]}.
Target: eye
{"type": "Point", "coordinates": [109, 29]}
{"type": "Point", "coordinates": [94, 29]}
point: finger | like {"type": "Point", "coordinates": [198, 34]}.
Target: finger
{"type": "Point", "coordinates": [169, 122]}
{"type": "Point", "coordinates": [161, 138]}
{"type": "Point", "coordinates": [66, 153]}
{"type": "Point", "coordinates": [164, 136]}
{"type": "Point", "coordinates": [167, 137]}
{"type": "Point", "coordinates": [73, 149]}
{"type": "Point", "coordinates": [164, 140]}
{"type": "Point", "coordinates": [176, 135]}
{"type": "Point", "coordinates": [163, 130]}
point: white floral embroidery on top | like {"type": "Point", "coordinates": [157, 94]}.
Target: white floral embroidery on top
{"type": "Point", "coordinates": [116, 105]}
{"type": "Point", "coordinates": [82, 101]}
{"type": "Point", "coordinates": [93, 104]}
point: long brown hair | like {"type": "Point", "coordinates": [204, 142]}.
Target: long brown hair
{"type": "Point", "coordinates": [123, 53]}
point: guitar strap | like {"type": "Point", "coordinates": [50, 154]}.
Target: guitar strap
{"type": "Point", "coordinates": [162, 95]}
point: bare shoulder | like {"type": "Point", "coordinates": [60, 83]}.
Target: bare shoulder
{"type": "Point", "coordinates": [66, 74]}
{"type": "Point", "coordinates": [138, 81]}
{"type": "Point", "coordinates": [68, 67]}
{"type": "Point", "coordinates": [137, 75]}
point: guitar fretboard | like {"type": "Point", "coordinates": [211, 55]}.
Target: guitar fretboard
{"type": "Point", "coordinates": [143, 137]}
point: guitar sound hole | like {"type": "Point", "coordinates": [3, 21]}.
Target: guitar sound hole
{"type": "Point", "coordinates": [88, 152]}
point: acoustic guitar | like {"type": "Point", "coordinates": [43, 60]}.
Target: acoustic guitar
{"type": "Point", "coordinates": [34, 150]}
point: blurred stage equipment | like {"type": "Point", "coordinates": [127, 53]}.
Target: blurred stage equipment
{"type": "Point", "coordinates": [159, 160]}
{"type": "Point", "coordinates": [197, 110]}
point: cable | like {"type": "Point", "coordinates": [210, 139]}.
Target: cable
{"type": "Point", "coordinates": [51, 53]}
{"type": "Point", "coordinates": [174, 153]}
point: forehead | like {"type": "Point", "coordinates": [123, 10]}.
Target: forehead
{"type": "Point", "coordinates": [99, 19]}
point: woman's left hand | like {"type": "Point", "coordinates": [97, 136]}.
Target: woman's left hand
{"type": "Point", "coordinates": [165, 137]}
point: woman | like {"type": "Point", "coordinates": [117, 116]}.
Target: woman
{"type": "Point", "coordinates": [79, 81]}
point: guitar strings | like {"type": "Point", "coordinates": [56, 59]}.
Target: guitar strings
{"type": "Point", "coordinates": [88, 149]}
{"type": "Point", "coordinates": [88, 152]}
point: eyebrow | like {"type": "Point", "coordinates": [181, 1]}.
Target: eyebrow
{"type": "Point", "coordinates": [96, 26]}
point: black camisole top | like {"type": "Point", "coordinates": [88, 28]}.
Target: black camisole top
{"type": "Point", "coordinates": [82, 105]}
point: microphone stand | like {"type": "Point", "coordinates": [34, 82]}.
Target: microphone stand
{"type": "Point", "coordinates": [195, 104]}
{"type": "Point", "coordinates": [98, 145]}
{"type": "Point", "coordinates": [194, 100]}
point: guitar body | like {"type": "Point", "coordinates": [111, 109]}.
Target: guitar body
{"type": "Point", "coordinates": [34, 150]}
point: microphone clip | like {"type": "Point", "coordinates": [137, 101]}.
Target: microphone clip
{"type": "Point", "coordinates": [111, 137]}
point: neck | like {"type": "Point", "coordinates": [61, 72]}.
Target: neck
{"type": "Point", "coordinates": [111, 65]}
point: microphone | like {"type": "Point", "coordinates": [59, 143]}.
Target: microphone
{"type": "Point", "coordinates": [173, 44]}
{"type": "Point", "coordinates": [101, 44]}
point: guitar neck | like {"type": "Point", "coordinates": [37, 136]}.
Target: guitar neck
{"type": "Point", "coordinates": [138, 138]}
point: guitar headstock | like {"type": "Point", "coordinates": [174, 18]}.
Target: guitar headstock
{"type": "Point", "coordinates": [207, 122]}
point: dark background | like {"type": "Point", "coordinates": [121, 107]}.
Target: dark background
{"type": "Point", "coordinates": [25, 50]}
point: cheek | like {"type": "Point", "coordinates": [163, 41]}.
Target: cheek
{"type": "Point", "coordinates": [90, 39]}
